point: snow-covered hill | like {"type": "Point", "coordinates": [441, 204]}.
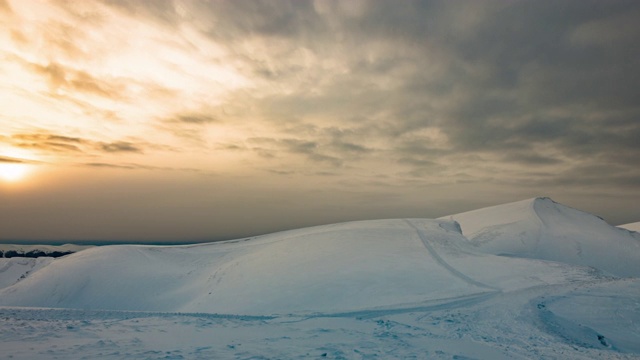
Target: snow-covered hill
{"type": "Point", "coordinates": [543, 229]}
{"type": "Point", "coordinates": [334, 268]}
{"type": "Point", "coordinates": [496, 283]}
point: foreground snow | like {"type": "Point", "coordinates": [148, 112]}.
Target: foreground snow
{"type": "Point", "coordinates": [525, 282]}
{"type": "Point", "coordinates": [578, 321]}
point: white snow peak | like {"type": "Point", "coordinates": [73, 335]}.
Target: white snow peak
{"type": "Point", "coordinates": [542, 229]}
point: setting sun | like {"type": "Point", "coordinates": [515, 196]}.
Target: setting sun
{"type": "Point", "coordinates": [13, 172]}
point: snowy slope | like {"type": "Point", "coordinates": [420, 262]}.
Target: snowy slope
{"type": "Point", "coordinates": [13, 270]}
{"type": "Point", "coordinates": [632, 226]}
{"type": "Point", "coordinates": [543, 229]}
{"type": "Point", "coordinates": [334, 268]}
{"type": "Point", "coordinates": [330, 268]}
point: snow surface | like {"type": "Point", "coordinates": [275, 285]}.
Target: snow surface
{"type": "Point", "coordinates": [515, 287]}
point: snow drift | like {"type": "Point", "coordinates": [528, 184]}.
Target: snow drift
{"type": "Point", "coordinates": [543, 229]}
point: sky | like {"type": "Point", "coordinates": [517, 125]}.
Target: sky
{"type": "Point", "coordinates": [184, 121]}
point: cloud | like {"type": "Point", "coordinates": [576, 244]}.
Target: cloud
{"type": "Point", "coordinates": [134, 166]}
{"type": "Point", "coordinates": [11, 160]}
{"type": "Point", "coordinates": [68, 144]}
{"type": "Point", "coordinates": [48, 137]}
{"type": "Point", "coordinates": [532, 159]}
{"type": "Point", "coordinates": [196, 119]}
{"type": "Point", "coordinates": [114, 166]}
{"type": "Point", "coordinates": [48, 142]}
{"type": "Point", "coordinates": [397, 99]}
{"type": "Point", "coordinates": [588, 176]}
{"type": "Point", "coordinates": [518, 85]}
{"type": "Point", "coordinates": [311, 150]}
{"type": "Point", "coordinates": [61, 77]}
{"type": "Point", "coordinates": [493, 77]}
{"type": "Point", "coordinates": [120, 146]}
{"type": "Point", "coordinates": [4, 6]}
{"type": "Point", "coordinates": [191, 126]}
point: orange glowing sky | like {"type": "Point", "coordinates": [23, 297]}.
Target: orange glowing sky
{"type": "Point", "coordinates": [198, 120]}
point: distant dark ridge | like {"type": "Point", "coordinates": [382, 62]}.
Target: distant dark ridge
{"type": "Point", "coordinates": [105, 242]}
{"type": "Point", "coordinates": [33, 254]}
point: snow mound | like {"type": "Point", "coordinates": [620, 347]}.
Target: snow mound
{"type": "Point", "coordinates": [348, 268]}
{"type": "Point", "coordinates": [333, 268]}
{"type": "Point", "coordinates": [631, 227]}
{"type": "Point", "coordinates": [542, 229]}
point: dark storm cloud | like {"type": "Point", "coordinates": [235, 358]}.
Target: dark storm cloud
{"type": "Point", "coordinates": [528, 85]}
{"type": "Point", "coordinates": [529, 54]}
{"type": "Point", "coordinates": [510, 80]}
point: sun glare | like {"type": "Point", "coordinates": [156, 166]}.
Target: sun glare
{"type": "Point", "coordinates": [13, 172]}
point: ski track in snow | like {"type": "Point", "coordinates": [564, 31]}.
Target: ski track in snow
{"type": "Point", "coordinates": [434, 254]}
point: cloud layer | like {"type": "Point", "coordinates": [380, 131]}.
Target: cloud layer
{"type": "Point", "coordinates": [491, 100]}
